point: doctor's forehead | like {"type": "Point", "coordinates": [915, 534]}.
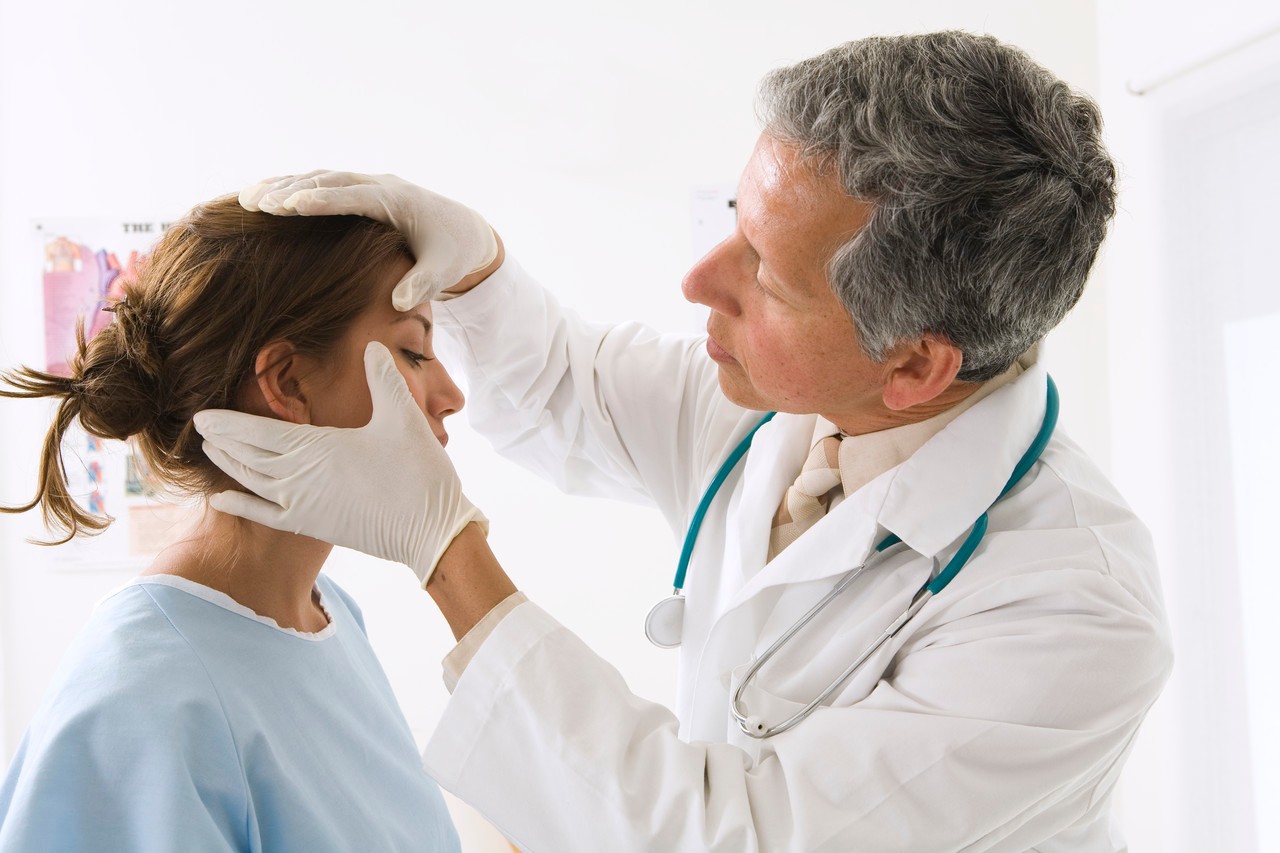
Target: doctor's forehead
{"type": "Point", "coordinates": [779, 167]}
{"type": "Point", "coordinates": [790, 201]}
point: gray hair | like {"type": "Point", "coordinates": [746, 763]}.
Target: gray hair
{"type": "Point", "coordinates": [990, 184]}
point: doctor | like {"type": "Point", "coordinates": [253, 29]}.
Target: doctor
{"type": "Point", "coordinates": [917, 214]}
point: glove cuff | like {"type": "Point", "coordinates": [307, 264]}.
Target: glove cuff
{"type": "Point", "coordinates": [467, 513]}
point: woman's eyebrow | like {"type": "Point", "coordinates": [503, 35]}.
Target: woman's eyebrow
{"type": "Point", "coordinates": [426, 324]}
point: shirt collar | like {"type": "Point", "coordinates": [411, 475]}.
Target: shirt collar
{"type": "Point", "coordinates": [865, 457]}
{"type": "Point", "coordinates": [941, 490]}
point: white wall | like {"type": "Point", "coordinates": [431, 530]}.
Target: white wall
{"type": "Point", "coordinates": [1193, 289]}
{"type": "Point", "coordinates": [578, 128]}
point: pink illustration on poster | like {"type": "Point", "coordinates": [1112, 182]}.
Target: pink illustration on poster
{"type": "Point", "coordinates": [85, 264]}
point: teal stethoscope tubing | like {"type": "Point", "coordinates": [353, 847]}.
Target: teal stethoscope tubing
{"type": "Point", "coordinates": [962, 556]}
{"type": "Point", "coordinates": [708, 496]}
{"type": "Point", "coordinates": [756, 727]}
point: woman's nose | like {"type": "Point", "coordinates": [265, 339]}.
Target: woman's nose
{"type": "Point", "coordinates": [446, 397]}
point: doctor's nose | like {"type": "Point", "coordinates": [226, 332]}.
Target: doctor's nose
{"type": "Point", "coordinates": [711, 281]}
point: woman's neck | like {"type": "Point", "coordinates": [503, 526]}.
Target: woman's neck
{"type": "Point", "coordinates": [270, 572]}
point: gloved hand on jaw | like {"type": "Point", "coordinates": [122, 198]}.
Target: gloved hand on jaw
{"type": "Point", "coordinates": [449, 240]}
{"type": "Point", "coordinates": [387, 489]}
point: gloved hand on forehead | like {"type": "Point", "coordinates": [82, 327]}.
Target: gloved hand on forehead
{"type": "Point", "coordinates": [387, 489]}
{"type": "Point", "coordinates": [449, 240]}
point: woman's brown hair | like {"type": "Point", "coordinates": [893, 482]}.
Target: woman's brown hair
{"type": "Point", "coordinates": [220, 285]}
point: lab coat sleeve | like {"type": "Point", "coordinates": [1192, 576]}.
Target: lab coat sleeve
{"type": "Point", "coordinates": [133, 773]}
{"type": "Point", "coordinates": [980, 731]}
{"type": "Point", "coordinates": [615, 411]}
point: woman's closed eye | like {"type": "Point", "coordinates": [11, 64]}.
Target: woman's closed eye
{"type": "Point", "coordinates": [416, 358]}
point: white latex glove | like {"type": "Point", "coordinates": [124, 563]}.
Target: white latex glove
{"type": "Point", "coordinates": [449, 240]}
{"type": "Point", "coordinates": [387, 488]}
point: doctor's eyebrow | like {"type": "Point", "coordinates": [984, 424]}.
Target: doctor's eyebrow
{"type": "Point", "coordinates": [426, 324]}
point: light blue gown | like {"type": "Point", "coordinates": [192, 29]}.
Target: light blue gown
{"type": "Point", "coordinates": [180, 721]}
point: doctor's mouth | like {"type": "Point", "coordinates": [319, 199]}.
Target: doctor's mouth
{"type": "Point", "coordinates": [718, 353]}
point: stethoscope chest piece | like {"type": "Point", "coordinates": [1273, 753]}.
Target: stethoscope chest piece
{"type": "Point", "coordinates": [664, 626]}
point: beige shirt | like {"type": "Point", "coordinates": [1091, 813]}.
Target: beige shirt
{"type": "Point", "coordinates": [865, 457]}
{"type": "Point", "coordinates": [862, 459]}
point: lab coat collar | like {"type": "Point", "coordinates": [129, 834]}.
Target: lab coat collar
{"type": "Point", "coordinates": [777, 453]}
{"type": "Point", "coordinates": [930, 501]}
{"type": "Point", "coordinates": [937, 495]}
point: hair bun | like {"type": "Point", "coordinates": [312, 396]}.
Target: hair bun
{"type": "Point", "coordinates": [118, 374]}
{"type": "Point", "coordinates": [138, 329]}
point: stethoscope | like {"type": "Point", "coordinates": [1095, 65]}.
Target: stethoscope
{"type": "Point", "coordinates": [665, 624]}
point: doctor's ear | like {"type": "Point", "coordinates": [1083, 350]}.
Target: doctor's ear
{"type": "Point", "coordinates": [919, 371]}
{"type": "Point", "coordinates": [278, 372]}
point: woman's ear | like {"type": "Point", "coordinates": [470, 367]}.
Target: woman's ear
{"type": "Point", "coordinates": [277, 374]}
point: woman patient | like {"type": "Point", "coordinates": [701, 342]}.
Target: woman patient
{"type": "Point", "coordinates": [228, 699]}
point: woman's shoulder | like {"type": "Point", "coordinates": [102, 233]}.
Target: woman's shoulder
{"type": "Point", "coordinates": [130, 661]}
{"type": "Point", "coordinates": [130, 684]}
{"type": "Point", "coordinates": [130, 709]}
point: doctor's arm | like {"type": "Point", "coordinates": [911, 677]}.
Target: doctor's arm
{"type": "Point", "coordinates": [468, 581]}
{"type": "Point", "coordinates": [993, 729]}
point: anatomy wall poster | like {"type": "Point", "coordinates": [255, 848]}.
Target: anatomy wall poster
{"type": "Point", "coordinates": [85, 264]}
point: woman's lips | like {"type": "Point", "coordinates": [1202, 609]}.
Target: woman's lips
{"type": "Point", "coordinates": [443, 438]}
{"type": "Point", "coordinates": [718, 353]}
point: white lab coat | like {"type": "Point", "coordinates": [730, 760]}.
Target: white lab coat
{"type": "Point", "coordinates": [998, 719]}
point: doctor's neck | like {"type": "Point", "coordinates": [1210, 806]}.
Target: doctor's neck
{"type": "Point", "coordinates": [876, 416]}
{"type": "Point", "coordinates": [918, 380]}
{"type": "Point", "coordinates": [268, 571]}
